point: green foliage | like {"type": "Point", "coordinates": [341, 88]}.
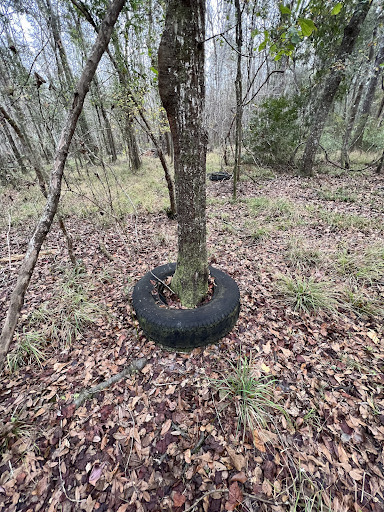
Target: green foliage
{"type": "Point", "coordinates": [274, 130]}
{"type": "Point", "coordinates": [366, 266]}
{"type": "Point", "coordinates": [28, 350]}
{"type": "Point", "coordinates": [305, 294]}
{"type": "Point", "coordinates": [300, 254]}
{"type": "Point", "coordinates": [340, 194]}
{"type": "Point", "coordinates": [252, 395]}
{"type": "Point", "coordinates": [66, 320]}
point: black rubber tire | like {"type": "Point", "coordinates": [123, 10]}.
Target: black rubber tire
{"type": "Point", "coordinates": [220, 176]}
{"type": "Point", "coordinates": [186, 328]}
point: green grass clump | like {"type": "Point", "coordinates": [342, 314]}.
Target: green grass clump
{"type": "Point", "coordinates": [28, 350]}
{"type": "Point", "coordinates": [252, 396]}
{"type": "Point", "coordinates": [305, 294]}
{"type": "Point", "coordinates": [357, 301]}
{"type": "Point", "coordinates": [366, 266]}
{"type": "Point", "coordinates": [344, 221]}
{"type": "Point", "coordinates": [66, 320]}
{"type": "Point", "coordinates": [277, 207]}
{"type": "Point", "coordinates": [340, 194]}
{"type": "Point", "coordinates": [300, 254]}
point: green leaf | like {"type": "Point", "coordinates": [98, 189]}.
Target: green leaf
{"type": "Point", "coordinates": [307, 26]}
{"type": "Point", "coordinates": [154, 70]}
{"type": "Point", "coordinates": [254, 32]}
{"type": "Point", "coordinates": [263, 45]}
{"type": "Point", "coordinates": [336, 9]}
{"type": "Point", "coordinates": [284, 9]}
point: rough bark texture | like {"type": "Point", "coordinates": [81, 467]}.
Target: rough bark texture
{"type": "Point", "coordinates": [45, 222]}
{"type": "Point", "coordinates": [239, 99]}
{"type": "Point", "coordinates": [373, 79]}
{"type": "Point", "coordinates": [351, 32]}
{"type": "Point", "coordinates": [182, 92]}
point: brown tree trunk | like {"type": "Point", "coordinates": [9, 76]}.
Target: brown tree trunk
{"type": "Point", "coordinates": [45, 222]}
{"type": "Point", "coordinates": [182, 92]}
{"type": "Point", "coordinates": [357, 137]}
{"type": "Point", "coordinates": [15, 150]}
{"type": "Point", "coordinates": [351, 32]}
{"type": "Point", "coordinates": [239, 98]}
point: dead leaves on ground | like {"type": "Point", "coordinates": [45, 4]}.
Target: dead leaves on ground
{"type": "Point", "coordinates": [159, 440]}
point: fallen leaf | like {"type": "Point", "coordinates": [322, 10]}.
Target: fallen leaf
{"type": "Point", "coordinates": [96, 473]}
{"type": "Point", "coordinates": [237, 459]}
{"type": "Point", "coordinates": [166, 427]}
{"type": "Point", "coordinates": [235, 497]}
{"type": "Point", "coordinates": [239, 477]}
{"type": "Point", "coordinates": [258, 443]}
{"type": "Point", "coordinates": [178, 499]}
{"type": "Point", "coordinates": [356, 474]}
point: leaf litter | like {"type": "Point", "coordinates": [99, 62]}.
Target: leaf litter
{"type": "Point", "coordinates": [159, 439]}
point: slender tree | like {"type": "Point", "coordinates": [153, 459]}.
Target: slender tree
{"type": "Point", "coordinates": [331, 86]}
{"type": "Point", "coordinates": [182, 92]}
{"type": "Point", "coordinates": [44, 224]}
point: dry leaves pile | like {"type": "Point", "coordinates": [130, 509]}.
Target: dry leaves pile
{"type": "Point", "coordinates": [159, 440]}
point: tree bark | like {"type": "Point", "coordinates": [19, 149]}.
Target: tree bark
{"type": "Point", "coordinates": [15, 149]}
{"type": "Point", "coordinates": [351, 32]}
{"type": "Point", "coordinates": [45, 222]}
{"type": "Point", "coordinates": [182, 92]}
{"type": "Point", "coordinates": [373, 79]}
{"type": "Point", "coordinates": [239, 98]}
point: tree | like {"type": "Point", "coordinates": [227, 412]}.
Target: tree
{"type": "Point", "coordinates": [182, 92]}
{"type": "Point", "coordinates": [44, 224]}
{"type": "Point", "coordinates": [331, 86]}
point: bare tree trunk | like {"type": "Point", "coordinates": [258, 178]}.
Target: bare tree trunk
{"type": "Point", "coordinates": [351, 32]}
{"type": "Point", "coordinates": [344, 157]}
{"type": "Point", "coordinates": [45, 222]}
{"type": "Point", "coordinates": [239, 98]}
{"type": "Point", "coordinates": [373, 79]}
{"type": "Point", "coordinates": [182, 92]}
{"type": "Point", "coordinates": [15, 150]}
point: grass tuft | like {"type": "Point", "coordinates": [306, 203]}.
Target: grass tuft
{"type": "Point", "coordinates": [305, 294]}
{"type": "Point", "coordinates": [28, 350]}
{"type": "Point", "coordinates": [252, 396]}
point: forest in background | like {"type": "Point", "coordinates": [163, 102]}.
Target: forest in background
{"type": "Point", "coordinates": [286, 412]}
{"type": "Point", "coordinates": [267, 69]}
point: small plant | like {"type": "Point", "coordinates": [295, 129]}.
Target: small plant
{"type": "Point", "coordinates": [14, 430]}
{"type": "Point", "coordinates": [253, 396]}
{"type": "Point", "coordinates": [66, 320]}
{"type": "Point", "coordinates": [305, 494]}
{"type": "Point", "coordinates": [301, 255]}
{"type": "Point", "coordinates": [305, 294]}
{"type": "Point", "coordinates": [340, 194]}
{"type": "Point", "coordinates": [367, 266]}
{"type": "Point", "coordinates": [276, 208]}
{"type": "Point", "coordinates": [358, 302]}
{"type": "Point", "coordinates": [260, 234]}
{"type": "Point", "coordinates": [345, 221]}
{"type": "Point", "coordinates": [28, 350]}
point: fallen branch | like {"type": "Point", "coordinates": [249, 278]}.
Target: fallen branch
{"type": "Point", "coordinates": [18, 257]}
{"type": "Point", "coordinates": [135, 366]}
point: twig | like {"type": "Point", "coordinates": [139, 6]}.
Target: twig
{"type": "Point", "coordinates": [204, 496]}
{"type": "Point", "coordinates": [105, 251]}
{"type": "Point", "coordinates": [199, 444]}
{"type": "Point", "coordinates": [8, 241]}
{"type": "Point", "coordinates": [135, 366]}
{"type": "Point", "coordinates": [162, 282]}
{"type": "Point", "coordinates": [346, 168]}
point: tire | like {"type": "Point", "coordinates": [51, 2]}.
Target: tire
{"type": "Point", "coordinates": [219, 176]}
{"type": "Point", "coordinates": [186, 328]}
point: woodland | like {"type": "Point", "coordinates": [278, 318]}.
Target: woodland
{"type": "Point", "coordinates": [126, 124]}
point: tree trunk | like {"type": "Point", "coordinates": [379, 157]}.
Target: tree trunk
{"type": "Point", "coordinates": [344, 157]}
{"type": "Point", "coordinates": [15, 149]}
{"type": "Point", "coordinates": [357, 137]}
{"type": "Point", "coordinates": [239, 98]}
{"type": "Point", "coordinates": [45, 222]}
{"type": "Point", "coordinates": [182, 92]}
{"type": "Point", "coordinates": [351, 32]}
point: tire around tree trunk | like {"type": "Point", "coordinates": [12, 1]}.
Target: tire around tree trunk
{"type": "Point", "coordinates": [186, 328]}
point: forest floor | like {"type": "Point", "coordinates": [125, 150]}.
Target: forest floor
{"type": "Point", "coordinates": [166, 438]}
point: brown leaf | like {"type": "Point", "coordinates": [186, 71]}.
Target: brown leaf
{"type": "Point", "coordinates": [235, 497]}
{"type": "Point", "coordinates": [258, 443]}
{"type": "Point", "coordinates": [96, 473]}
{"type": "Point", "coordinates": [356, 474]}
{"type": "Point", "coordinates": [178, 499]}
{"type": "Point", "coordinates": [166, 427]}
{"type": "Point", "coordinates": [237, 459]}
{"type": "Point", "coordinates": [239, 477]}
